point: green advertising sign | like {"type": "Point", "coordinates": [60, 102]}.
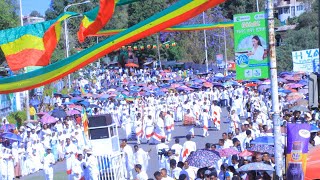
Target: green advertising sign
{"type": "Point", "coordinates": [251, 46]}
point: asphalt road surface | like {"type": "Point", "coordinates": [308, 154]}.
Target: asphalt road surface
{"type": "Point", "coordinates": [179, 132]}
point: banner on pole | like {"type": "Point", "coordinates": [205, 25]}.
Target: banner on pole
{"type": "Point", "coordinates": [306, 60]}
{"type": "Point", "coordinates": [298, 136]}
{"type": "Point", "coordinates": [251, 46]}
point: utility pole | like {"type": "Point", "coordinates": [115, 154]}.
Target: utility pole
{"type": "Point", "coordinates": [158, 48]}
{"type": "Point", "coordinates": [274, 93]}
{"type": "Point", "coordinates": [205, 42]}
{"type": "Point", "coordinates": [225, 52]}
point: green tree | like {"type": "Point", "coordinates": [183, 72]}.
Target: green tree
{"type": "Point", "coordinates": [231, 7]}
{"type": "Point", "coordinates": [305, 36]}
{"type": "Point", "coordinates": [35, 14]}
{"type": "Point", "coordinates": [140, 11]}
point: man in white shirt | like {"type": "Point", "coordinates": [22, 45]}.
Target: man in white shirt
{"type": "Point", "coordinates": [128, 158]}
{"type": "Point", "coordinates": [161, 148]}
{"type": "Point", "coordinates": [141, 157]}
{"type": "Point", "coordinates": [174, 170]}
{"type": "Point", "coordinates": [177, 149]}
{"type": "Point", "coordinates": [92, 171]}
{"type": "Point", "coordinates": [141, 175]}
{"type": "Point", "coordinates": [48, 161]}
{"type": "Point", "coordinates": [164, 174]}
{"type": "Point", "coordinates": [317, 139]}
{"type": "Point", "coordinates": [188, 147]}
{"type": "Point", "coordinates": [78, 168]}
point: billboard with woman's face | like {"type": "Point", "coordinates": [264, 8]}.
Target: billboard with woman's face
{"type": "Point", "coordinates": [251, 46]}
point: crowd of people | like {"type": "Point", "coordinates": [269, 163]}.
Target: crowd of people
{"type": "Point", "coordinates": [148, 104]}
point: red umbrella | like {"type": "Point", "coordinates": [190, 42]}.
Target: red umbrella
{"type": "Point", "coordinates": [313, 164]}
{"type": "Point", "coordinates": [208, 84]}
{"type": "Point", "coordinates": [133, 65]}
{"type": "Point", "coordinates": [245, 153]}
{"type": "Point", "coordinates": [251, 85]}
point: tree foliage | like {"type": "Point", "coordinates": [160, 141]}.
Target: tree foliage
{"type": "Point", "coordinates": [305, 36]}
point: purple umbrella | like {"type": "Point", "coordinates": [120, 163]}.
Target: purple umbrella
{"type": "Point", "coordinates": [296, 85]}
{"type": "Point", "coordinates": [47, 119]}
{"type": "Point", "coordinates": [72, 112]}
{"type": "Point", "coordinates": [8, 127]}
{"type": "Point", "coordinates": [227, 152]}
{"type": "Point", "coordinates": [202, 158]}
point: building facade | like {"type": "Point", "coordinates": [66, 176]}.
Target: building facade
{"type": "Point", "coordinates": [289, 9]}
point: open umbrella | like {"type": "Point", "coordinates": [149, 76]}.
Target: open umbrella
{"type": "Point", "coordinates": [251, 85]}
{"type": "Point", "coordinates": [202, 158]}
{"type": "Point", "coordinates": [219, 75]}
{"type": "Point", "coordinates": [256, 166]}
{"type": "Point", "coordinates": [299, 108]}
{"type": "Point", "coordinates": [11, 136]}
{"type": "Point", "coordinates": [267, 140]}
{"type": "Point", "coordinates": [245, 153]}
{"type": "Point", "coordinates": [132, 65]}
{"type": "Point", "coordinates": [8, 127]}
{"type": "Point", "coordinates": [58, 113]}
{"type": "Point", "coordinates": [262, 148]}
{"type": "Point", "coordinates": [73, 112]}
{"type": "Point", "coordinates": [207, 84]}
{"type": "Point", "coordinates": [47, 119]}
{"type": "Point", "coordinates": [227, 152]}
{"type": "Point", "coordinates": [314, 128]}
{"type": "Point", "coordinates": [292, 97]}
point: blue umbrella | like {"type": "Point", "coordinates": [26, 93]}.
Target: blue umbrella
{"type": "Point", "coordinates": [11, 136]}
{"type": "Point", "coordinates": [256, 166]}
{"type": "Point", "coordinates": [59, 113]}
{"type": "Point", "coordinates": [34, 102]}
{"type": "Point", "coordinates": [267, 140]}
{"type": "Point", "coordinates": [262, 148]}
{"type": "Point", "coordinates": [314, 128]}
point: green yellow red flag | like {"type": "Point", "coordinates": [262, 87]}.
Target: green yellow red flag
{"type": "Point", "coordinates": [31, 45]}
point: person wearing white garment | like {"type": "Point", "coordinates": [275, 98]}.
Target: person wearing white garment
{"type": "Point", "coordinates": [177, 148]}
{"type": "Point", "coordinates": [168, 123]}
{"type": "Point", "coordinates": [127, 125]}
{"type": "Point", "coordinates": [159, 132]}
{"type": "Point", "coordinates": [141, 157]}
{"type": "Point", "coordinates": [188, 147]}
{"type": "Point", "coordinates": [78, 168]}
{"type": "Point", "coordinates": [160, 149]}
{"type": "Point", "coordinates": [149, 128]}
{"type": "Point", "coordinates": [92, 171]}
{"type": "Point", "coordinates": [205, 118]}
{"type": "Point", "coordinates": [128, 158]}
{"type": "Point", "coordinates": [7, 165]}
{"type": "Point", "coordinates": [48, 162]}
{"type": "Point", "coordinates": [69, 151]}
{"type": "Point", "coordinates": [141, 175]}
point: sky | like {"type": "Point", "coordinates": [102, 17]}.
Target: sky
{"type": "Point", "coordinates": [39, 5]}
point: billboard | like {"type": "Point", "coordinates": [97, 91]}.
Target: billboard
{"type": "Point", "coordinates": [306, 60]}
{"type": "Point", "coordinates": [298, 136]}
{"type": "Point", "coordinates": [251, 46]}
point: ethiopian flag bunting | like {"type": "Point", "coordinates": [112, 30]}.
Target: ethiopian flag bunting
{"type": "Point", "coordinates": [96, 19]}
{"type": "Point", "coordinates": [31, 45]}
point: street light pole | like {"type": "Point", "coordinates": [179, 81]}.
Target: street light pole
{"type": "Point", "coordinates": [257, 2]}
{"type": "Point", "coordinates": [67, 35]}
{"type": "Point", "coordinates": [25, 70]}
{"type": "Point", "coordinates": [158, 48]}
{"type": "Point", "coordinates": [274, 93]}
{"type": "Point", "coordinates": [205, 42]}
{"type": "Point", "coordinates": [225, 52]}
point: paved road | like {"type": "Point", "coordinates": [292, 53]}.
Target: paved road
{"type": "Point", "coordinates": [180, 132]}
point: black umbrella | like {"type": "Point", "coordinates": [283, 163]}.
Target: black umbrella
{"type": "Point", "coordinates": [59, 113]}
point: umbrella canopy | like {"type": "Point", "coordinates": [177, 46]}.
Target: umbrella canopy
{"type": "Point", "coordinates": [245, 153]}
{"type": "Point", "coordinates": [227, 152]}
{"type": "Point", "coordinates": [72, 112]}
{"type": "Point", "coordinates": [219, 75]}
{"type": "Point", "coordinates": [251, 85]}
{"type": "Point", "coordinates": [133, 65]}
{"type": "Point", "coordinates": [313, 164]}
{"type": "Point", "coordinates": [207, 84]}
{"type": "Point", "coordinates": [296, 85]}
{"type": "Point", "coordinates": [314, 128]}
{"type": "Point", "coordinates": [292, 97]}
{"type": "Point", "coordinates": [267, 140]}
{"type": "Point", "coordinates": [299, 108]}
{"type": "Point", "coordinates": [47, 119]}
{"type": "Point", "coordinates": [59, 113]}
{"type": "Point", "coordinates": [202, 158]}
{"type": "Point", "coordinates": [11, 136]}
{"type": "Point", "coordinates": [256, 166]}
{"type": "Point", "coordinates": [262, 148]}
{"type": "Point", "coordinates": [303, 91]}
{"type": "Point", "coordinates": [7, 127]}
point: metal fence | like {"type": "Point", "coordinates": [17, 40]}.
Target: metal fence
{"type": "Point", "coordinates": [111, 167]}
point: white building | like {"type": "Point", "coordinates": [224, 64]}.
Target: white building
{"type": "Point", "coordinates": [289, 9]}
{"type": "Point", "coordinates": [32, 20]}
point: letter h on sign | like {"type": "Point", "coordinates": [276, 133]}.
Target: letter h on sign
{"type": "Point", "coordinates": [297, 55]}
